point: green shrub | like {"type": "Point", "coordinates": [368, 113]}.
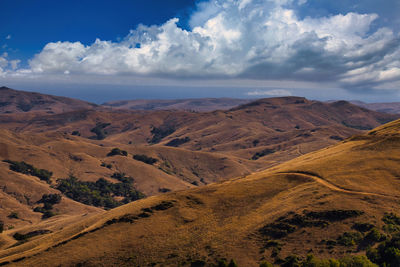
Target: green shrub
{"type": "Point", "coordinates": [311, 261]}
{"type": "Point", "coordinates": [374, 236]}
{"type": "Point", "coordinates": [356, 261]}
{"type": "Point", "coordinates": [25, 168]}
{"type": "Point", "coordinates": [117, 151]}
{"type": "Point", "coordinates": [99, 193]}
{"type": "Point", "coordinates": [145, 159]}
{"type": "Point", "coordinates": [391, 218]}
{"type": "Point", "coordinates": [1, 226]}
{"type": "Point", "coordinates": [232, 263]}
{"type": "Point", "coordinates": [387, 254]}
{"type": "Point", "coordinates": [266, 264]}
{"type": "Point", "coordinates": [349, 239]}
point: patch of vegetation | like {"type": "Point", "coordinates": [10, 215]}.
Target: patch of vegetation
{"type": "Point", "coordinates": [77, 133]}
{"type": "Point", "coordinates": [286, 225]}
{"type": "Point", "coordinates": [363, 227]}
{"type": "Point", "coordinates": [164, 190]}
{"type": "Point", "coordinates": [1, 226]}
{"type": "Point", "coordinates": [335, 137]}
{"type": "Point", "coordinates": [25, 168]}
{"type": "Point", "coordinates": [374, 236]}
{"type": "Point", "coordinates": [349, 239]}
{"type": "Point", "coordinates": [99, 131]}
{"type": "Point", "coordinates": [277, 230]}
{"type": "Point", "coordinates": [146, 212]}
{"type": "Point", "coordinates": [334, 215]}
{"type": "Point", "coordinates": [48, 200]}
{"type": "Point", "coordinates": [22, 237]}
{"type": "Point", "coordinates": [358, 127]}
{"type": "Point", "coordinates": [198, 263]}
{"type": "Point", "coordinates": [100, 193]}
{"type": "Point", "coordinates": [256, 142]}
{"type": "Point", "coordinates": [145, 159]}
{"type": "Point", "coordinates": [106, 165]}
{"type": "Point", "coordinates": [13, 215]}
{"type": "Point", "coordinates": [311, 261]}
{"type": "Point", "coordinates": [392, 223]}
{"type": "Point", "coordinates": [263, 153]}
{"type": "Point", "coordinates": [266, 264]}
{"type": "Point", "coordinates": [76, 158]}
{"type": "Point", "coordinates": [386, 254]}
{"type": "Point", "coordinates": [120, 176]}
{"type": "Point", "coordinates": [160, 132]}
{"type": "Point", "coordinates": [224, 263]}
{"type": "Point", "coordinates": [117, 152]}
{"type": "Point", "coordinates": [178, 141]}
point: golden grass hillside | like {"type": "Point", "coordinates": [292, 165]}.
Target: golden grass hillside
{"type": "Point", "coordinates": [311, 204]}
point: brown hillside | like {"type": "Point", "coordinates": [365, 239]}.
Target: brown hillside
{"type": "Point", "coordinates": [316, 198]}
{"type": "Point", "coordinates": [13, 101]}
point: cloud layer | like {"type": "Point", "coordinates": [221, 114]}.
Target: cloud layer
{"type": "Point", "coordinates": [250, 39]}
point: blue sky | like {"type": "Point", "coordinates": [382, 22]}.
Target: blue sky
{"type": "Point", "coordinates": [104, 50]}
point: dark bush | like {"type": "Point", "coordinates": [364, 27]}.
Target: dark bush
{"type": "Point", "coordinates": [334, 215]}
{"type": "Point", "coordinates": [25, 168]}
{"type": "Point", "coordinates": [77, 133]}
{"type": "Point", "coordinates": [349, 239]}
{"type": "Point", "coordinates": [13, 215]}
{"type": "Point", "coordinates": [108, 166]}
{"type": "Point", "coordinates": [374, 236]}
{"type": "Point", "coordinates": [277, 230]}
{"type": "Point", "coordinates": [387, 254]}
{"type": "Point", "coordinates": [99, 131]}
{"type": "Point", "coordinates": [263, 153]}
{"type": "Point", "coordinates": [145, 159]}
{"type": "Point", "coordinates": [178, 141]}
{"type": "Point", "coordinates": [363, 227]}
{"type": "Point", "coordinates": [391, 218]}
{"type": "Point", "coordinates": [117, 151]}
{"type": "Point", "coordinates": [50, 199]}
{"type": "Point", "coordinates": [161, 132]}
{"type": "Point", "coordinates": [21, 237]}
{"type": "Point", "coordinates": [1, 226]}
{"type": "Point", "coordinates": [266, 264]}
{"type": "Point", "coordinates": [120, 176]}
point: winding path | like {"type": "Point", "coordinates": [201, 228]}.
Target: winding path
{"type": "Point", "coordinates": [334, 187]}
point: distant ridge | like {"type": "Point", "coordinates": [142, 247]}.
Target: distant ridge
{"type": "Point", "coordinates": [389, 107]}
{"type": "Point", "coordinates": [195, 104]}
{"type": "Point", "coordinates": [15, 101]}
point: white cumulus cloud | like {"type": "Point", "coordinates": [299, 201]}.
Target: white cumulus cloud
{"type": "Point", "coordinates": [250, 39]}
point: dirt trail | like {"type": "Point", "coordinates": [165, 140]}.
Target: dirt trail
{"type": "Point", "coordinates": [334, 187]}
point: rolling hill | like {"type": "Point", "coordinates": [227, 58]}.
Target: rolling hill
{"type": "Point", "coordinates": [15, 101]}
{"type": "Point", "coordinates": [197, 104]}
{"type": "Point", "coordinates": [332, 202]}
{"type": "Point", "coordinates": [60, 171]}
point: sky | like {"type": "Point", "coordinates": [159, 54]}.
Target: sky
{"type": "Point", "coordinates": [125, 49]}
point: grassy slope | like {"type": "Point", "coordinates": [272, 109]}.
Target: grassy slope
{"type": "Point", "coordinates": [222, 220]}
